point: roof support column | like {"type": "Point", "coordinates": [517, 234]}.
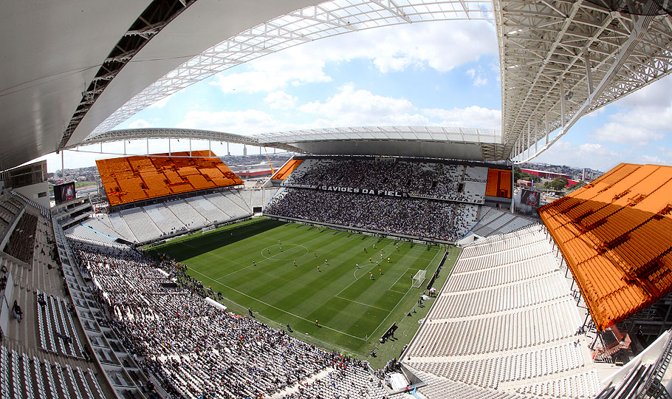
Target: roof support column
{"type": "Point", "coordinates": [228, 152]}
{"type": "Point", "coordinates": [518, 147]}
{"type": "Point", "coordinates": [169, 146]}
{"type": "Point", "coordinates": [189, 148]}
{"type": "Point", "coordinates": [529, 144]}
{"type": "Point", "coordinates": [147, 144]}
{"type": "Point", "coordinates": [536, 142]}
{"type": "Point", "coordinates": [124, 147]}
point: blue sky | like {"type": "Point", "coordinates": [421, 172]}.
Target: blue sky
{"type": "Point", "coordinates": [439, 73]}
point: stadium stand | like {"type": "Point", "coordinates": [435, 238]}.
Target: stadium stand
{"type": "Point", "coordinates": [20, 244]}
{"type": "Point", "coordinates": [438, 387]}
{"type": "Point", "coordinates": [434, 180]}
{"type": "Point", "coordinates": [138, 178]}
{"type": "Point", "coordinates": [615, 235]}
{"type": "Point", "coordinates": [121, 227]}
{"type": "Point", "coordinates": [140, 224]}
{"type": "Point", "coordinates": [207, 209]}
{"type": "Point", "coordinates": [25, 376]}
{"type": "Point", "coordinates": [158, 221]}
{"type": "Point", "coordinates": [56, 328]}
{"type": "Point", "coordinates": [43, 352]}
{"type": "Point", "coordinates": [442, 220]}
{"type": "Point", "coordinates": [258, 198]}
{"type": "Point", "coordinates": [506, 321]}
{"type": "Point", "coordinates": [494, 221]}
{"type": "Point", "coordinates": [354, 381]}
{"type": "Point", "coordinates": [194, 348]}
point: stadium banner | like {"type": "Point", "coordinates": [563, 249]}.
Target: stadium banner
{"type": "Point", "coordinates": [530, 198]}
{"type": "Point", "coordinates": [64, 192]}
{"type": "Point", "coordinates": [355, 190]}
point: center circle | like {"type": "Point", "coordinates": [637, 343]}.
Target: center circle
{"type": "Point", "coordinates": [284, 251]}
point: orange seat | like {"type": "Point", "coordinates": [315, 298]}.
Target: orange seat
{"type": "Point", "coordinates": [615, 235]}
{"type": "Point", "coordinates": [131, 179]}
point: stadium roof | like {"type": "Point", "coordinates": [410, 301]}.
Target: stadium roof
{"type": "Point", "coordinates": [559, 59]}
{"type": "Point", "coordinates": [432, 142]}
{"type": "Point", "coordinates": [436, 142]}
{"type": "Point", "coordinates": [615, 235]}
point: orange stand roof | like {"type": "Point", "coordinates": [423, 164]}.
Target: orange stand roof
{"type": "Point", "coordinates": [616, 235]}
{"type": "Point", "coordinates": [138, 178]}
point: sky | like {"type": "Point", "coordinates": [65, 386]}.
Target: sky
{"type": "Point", "coordinates": [436, 74]}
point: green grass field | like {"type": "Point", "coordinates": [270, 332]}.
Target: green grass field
{"type": "Point", "coordinates": [253, 265]}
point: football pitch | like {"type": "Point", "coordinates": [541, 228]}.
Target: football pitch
{"type": "Point", "coordinates": [339, 289]}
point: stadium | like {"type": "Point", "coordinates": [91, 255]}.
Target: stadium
{"type": "Point", "coordinates": [373, 262]}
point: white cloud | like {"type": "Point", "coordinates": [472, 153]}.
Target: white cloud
{"type": "Point", "coordinates": [473, 116]}
{"type": "Point", "coordinates": [588, 155]}
{"type": "Point", "coordinates": [626, 132]}
{"type": "Point", "coordinates": [477, 78]}
{"type": "Point", "coordinates": [357, 107]}
{"type": "Point", "coordinates": [654, 159]}
{"type": "Point", "coordinates": [280, 100]}
{"type": "Point", "coordinates": [643, 117]}
{"type": "Point", "coordinates": [239, 122]}
{"type": "Point", "coordinates": [349, 106]}
{"type": "Point", "coordinates": [656, 95]}
{"type": "Point", "coordinates": [139, 124]}
{"type": "Point", "coordinates": [441, 46]}
{"type": "Point", "coordinates": [275, 72]}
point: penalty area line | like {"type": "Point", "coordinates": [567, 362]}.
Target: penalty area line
{"type": "Point", "coordinates": [362, 303]}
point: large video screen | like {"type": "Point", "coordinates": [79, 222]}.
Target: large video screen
{"type": "Point", "coordinates": [530, 198]}
{"type": "Point", "coordinates": [64, 192]}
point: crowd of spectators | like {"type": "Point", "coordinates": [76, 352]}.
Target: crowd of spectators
{"type": "Point", "coordinates": [193, 348]}
{"type": "Point", "coordinates": [354, 382]}
{"type": "Point", "coordinates": [414, 217]}
{"type": "Point", "coordinates": [435, 180]}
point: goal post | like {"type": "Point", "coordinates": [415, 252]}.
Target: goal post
{"type": "Point", "coordinates": [419, 278]}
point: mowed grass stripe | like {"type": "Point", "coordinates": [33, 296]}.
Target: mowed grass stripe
{"type": "Point", "coordinates": [350, 307]}
{"type": "Point", "coordinates": [323, 283]}
{"type": "Point", "coordinates": [289, 279]}
{"type": "Point", "coordinates": [232, 290]}
{"type": "Point", "coordinates": [377, 292]}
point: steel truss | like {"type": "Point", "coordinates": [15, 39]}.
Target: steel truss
{"type": "Point", "coordinates": [561, 60]}
{"type": "Point", "coordinates": [308, 24]}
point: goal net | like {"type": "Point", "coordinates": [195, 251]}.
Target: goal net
{"type": "Point", "coordinates": [419, 278]}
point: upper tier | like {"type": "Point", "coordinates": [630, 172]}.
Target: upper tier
{"type": "Point", "coordinates": [615, 234]}
{"type": "Point", "coordinates": [138, 178]}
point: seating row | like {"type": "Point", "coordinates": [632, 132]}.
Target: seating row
{"type": "Point", "coordinates": [24, 376]}
{"type": "Point", "coordinates": [522, 329]}
{"type": "Point", "coordinates": [56, 329]}
{"type": "Point", "coordinates": [491, 371]}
